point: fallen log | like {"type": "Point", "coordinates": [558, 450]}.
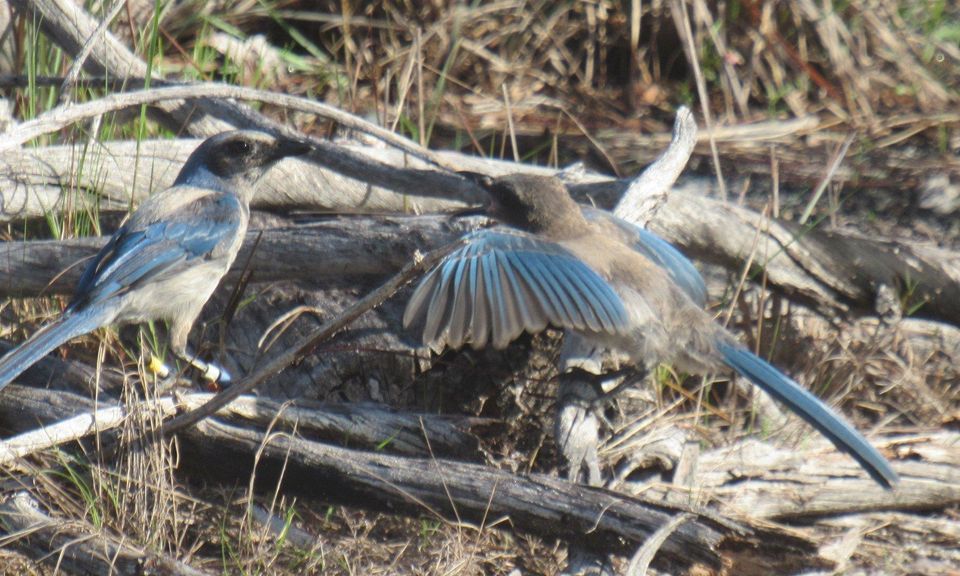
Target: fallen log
{"type": "Point", "coordinates": [76, 547]}
{"type": "Point", "coordinates": [31, 412]}
{"type": "Point", "coordinates": [758, 480]}
{"type": "Point", "coordinates": [263, 439]}
{"type": "Point", "coordinates": [323, 253]}
{"type": "Point", "coordinates": [830, 272]}
{"type": "Point", "coordinates": [536, 504]}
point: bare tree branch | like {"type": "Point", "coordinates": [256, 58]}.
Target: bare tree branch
{"type": "Point", "coordinates": [78, 547]}
{"type": "Point", "coordinates": [646, 193]}
{"type": "Point", "coordinates": [62, 116]}
{"type": "Point", "coordinates": [64, 417]}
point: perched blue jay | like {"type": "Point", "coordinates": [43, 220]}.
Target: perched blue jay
{"type": "Point", "coordinates": [618, 291]}
{"type": "Point", "coordinates": [168, 257]}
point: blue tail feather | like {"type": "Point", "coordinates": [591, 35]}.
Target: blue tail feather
{"type": "Point", "coordinates": [68, 326]}
{"type": "Point", "coordinates": [811, 409]}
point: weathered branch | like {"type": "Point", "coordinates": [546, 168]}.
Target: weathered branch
{"type": "Point", "coordinates": [757, 480]}
{"type": "Point", "coordinates": [829, 271]}
{"type": "Point", "coordinates": [72, 429]}
{"type": "Point", "coordinates": [47, 418]}
{"type": "Point", "coordinates": [536, 504]}
{"type": "Point", "coordinates": [77, 547]}
{"type": "Point", "coordinates": [335, 251]}
{"type": "Point", "coordinates": [69, 25]}
{"type": "Point", "coordinates": [115, 175]}
{"type": "Point", "coordinates": [645, 194]}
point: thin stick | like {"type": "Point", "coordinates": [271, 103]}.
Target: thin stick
{"type": "Point", "coordinates": [81, 58]}
{"type": "Point", "coordinates": [640, 562]}
{"type": "Point", "coordinates": [62, 116]}
{"type": "Point", "coordinates": [325, 332]}
{"type": "Point", "coordinates": [831, 171]}
{"type": "Point", "coordinates": [73, 429]}
{"type": "Point", "coordinates": [682, 21]}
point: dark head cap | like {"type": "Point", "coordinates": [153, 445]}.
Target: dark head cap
{"type": "Point", "coordinates": [533, 203]}
{"type": "Point", "coordinates": [237, 159]}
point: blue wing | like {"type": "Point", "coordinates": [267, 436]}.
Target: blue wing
{"type": "Point", "coordinates": [504, 282]}
{"type": "Point", "coordinates": [144, 252]}
{"type": "Point", "coordinates": [661, 253]}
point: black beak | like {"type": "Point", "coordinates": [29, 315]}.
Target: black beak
{"type": "Point", "coordinates": [482, 180]}
{"type": "Point", "coordinates": [471, 211]}
{"type": "Point", "coordinates": [289, 147]}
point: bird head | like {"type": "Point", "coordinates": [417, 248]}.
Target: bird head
{"type": "Point", "coordinates": [234, 161]}
{"type": "Point", "coordinates": [538, 204]}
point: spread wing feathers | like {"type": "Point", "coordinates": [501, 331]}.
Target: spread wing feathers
{"type": "Point", "coordinates": [661, 253]}
{"type": "Point", "coordinates": [504, 282]}
{"type": "Point", "coordinates": [145, 252]}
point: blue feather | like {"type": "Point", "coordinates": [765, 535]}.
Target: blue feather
{"type": "Point", "coordinates": [569, 314]}
{"type": "Point", "coordinates": [552, 302]}
{"type": "Point", "coordinates": [573, 272]}
{"type": "Point", "coordinates": [43, 341]}
{"type": "Point", "coordinates": [811, 409]}
{"type": "Point", "coordinates": [680, 268]}
{"type": "Point", "coordinates": [660, 252]}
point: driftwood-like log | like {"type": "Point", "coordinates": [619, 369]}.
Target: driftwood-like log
{"type": "Point", "coordinates": [757, 480]}
{"type": "Point", "coordinates": [115, 175]}
{"type": "Point", "coordinates": [77, 547]}
{"type": "Point", "coordinates": [831, 272]}
{"type": "Point", "coordinates": [536, 504]}
{"type": "Point", "coordinates": [328, 252]}
{"type": "Point", "coordinates": [75, 428]}
{"type": "Point", "coordinates": [751, 480]}
{"type": "Point", "coordinates": [367, 426]}
{"type": "Point", "coordinates": [550, 507]}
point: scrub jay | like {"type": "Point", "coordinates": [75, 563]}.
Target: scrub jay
{"type": "Point", "coordinates": [168, 257]}
{"type": "Point", "coordinates": [620, 293]}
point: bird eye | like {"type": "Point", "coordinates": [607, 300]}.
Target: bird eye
{"type": "Point", "coordinates": [239, 148]}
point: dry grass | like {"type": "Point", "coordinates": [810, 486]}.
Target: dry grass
{"type": "Point", "coordinates": [572, 80]}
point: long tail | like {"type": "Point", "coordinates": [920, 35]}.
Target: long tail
{"type": "Point", "coordinates": [811, 409]}
{"type": "Point", "coordinates": [68, 326]}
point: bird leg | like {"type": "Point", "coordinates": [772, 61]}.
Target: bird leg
{"type": "Point", "coordinates": [158, 367]}
{"type": "Point", "coordinates": [209, 371]}
{"type": "Point", "coordinates": [627, 377]}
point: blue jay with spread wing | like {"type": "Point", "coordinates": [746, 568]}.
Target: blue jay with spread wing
{"type": "Point", "coordinates": [615, 288]}
{"type": "Point", "coordinates": [168, 257]}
